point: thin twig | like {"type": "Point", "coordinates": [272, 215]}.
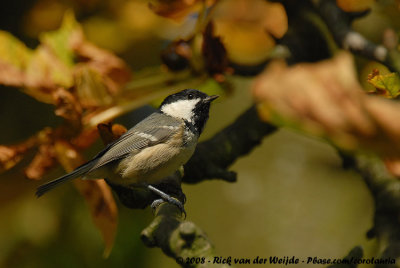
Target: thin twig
{"type": "Point", "coordinates": [339, 23]}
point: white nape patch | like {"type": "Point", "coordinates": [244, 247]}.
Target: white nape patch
{"type": "Point", "coordinates": [354, 40]}
{"type": "Point", "coordinates": [181, 109]}
{"type": "Point", "coordinates": [146, 136]}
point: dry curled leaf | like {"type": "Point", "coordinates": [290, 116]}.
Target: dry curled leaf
{"type": "Point", "coordinates": [44, 160]}
{"type": "Point", "coordinates": [325, 99]}
{"type": "Point", "coordinates": [97, 194]}
{"type": "Point", "coordinates": [103, 209]}
{"type": "Point", "coordinates": [12, 155]}
{"type": "Point", "coordinates": [9, 157]}
{"type": "Point", "coordinates": [87, 79]}
{"type": "Point", "coordinates": [58, 61]}
{"type": "Point", "coordinates": [113, 71]}
{"type": "Point", "coordinates": [67, 106]}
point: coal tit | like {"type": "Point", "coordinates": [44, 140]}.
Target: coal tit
{"type": "Point", "coordinates": [151, 150]}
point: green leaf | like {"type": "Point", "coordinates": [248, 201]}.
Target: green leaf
{"type": "Point", "coordinates": [13, 51]}
{"type": "Point", "coordinates": [14, 56]}
{"type": "Point", "coordinates": [59, 41]}
{"type": "Point", "coordinates": [387, 85]}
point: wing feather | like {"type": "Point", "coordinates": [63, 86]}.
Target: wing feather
{"type": "Point", "coordinates": [155, 129]}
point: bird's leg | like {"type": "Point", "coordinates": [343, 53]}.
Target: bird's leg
{"type": "Point", "coordinates": [165, 198]}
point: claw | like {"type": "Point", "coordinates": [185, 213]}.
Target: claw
{"type": "Point", "coordinates": [156, 203]}
{"type": "Point", "coordinates": [165, 198]}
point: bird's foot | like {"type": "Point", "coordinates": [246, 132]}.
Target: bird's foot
{"type": "Point", "coordinates": [165, 198]}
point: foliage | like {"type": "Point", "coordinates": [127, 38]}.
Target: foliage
{"type": "Point", "coordinates": [310, 98]}
{"type": "Point", "coordinates": [78, 79]}
{"type": "Point", "coordinates": [386, 85]}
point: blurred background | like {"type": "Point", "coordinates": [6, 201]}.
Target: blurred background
{"type": "Point", "coordinates": [292, 197]}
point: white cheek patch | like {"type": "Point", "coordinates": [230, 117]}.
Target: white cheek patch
{"type": "Point", "coordinates": [181, 109]}
{"type": "Point", "coordinates": [146, 136]}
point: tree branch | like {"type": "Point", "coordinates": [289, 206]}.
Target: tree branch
{"type": "Point", "coordinates": [355, 253]}
{"type": "Point", "coordinates": [339, 23]}
{"type": "Point", "coordinates": [385, 191]}
{"type": "Point", "coordinates": [181, 240]}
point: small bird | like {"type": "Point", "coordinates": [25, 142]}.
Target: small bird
{"type": "Point", "coordinates": [151, 150]}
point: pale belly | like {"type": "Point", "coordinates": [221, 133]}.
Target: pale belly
{"type": "Point", "coordinates": [152, 164]}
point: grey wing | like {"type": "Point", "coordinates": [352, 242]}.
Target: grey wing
{"type": "Point", "coordinates": [155, 129]}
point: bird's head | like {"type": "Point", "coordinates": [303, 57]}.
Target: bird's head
{"type": "Point", "coordinates": [190, 105]}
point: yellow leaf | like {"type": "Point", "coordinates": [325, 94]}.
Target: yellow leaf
{"type": "Point", "coordinates": [248, 28]}
{"type": "Point", "coordinates": [13, 51]}
{"type": "Point", "coordinates": [387, 85]}
{"type": "Point", "coordinates": [355, 5]}
{"type": "Point", "coordinates": [14, 56]}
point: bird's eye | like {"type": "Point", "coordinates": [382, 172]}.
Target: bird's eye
{"type": "Point", "coordinates": [190, 96]}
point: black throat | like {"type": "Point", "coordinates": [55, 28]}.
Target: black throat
{"type": "Point", "coordinates": [191, 127]}
{"type": "Point", "coordinates": [200, 118]}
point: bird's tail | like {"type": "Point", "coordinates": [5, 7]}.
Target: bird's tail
{"type": "Point", "coordinates": [42, 189]}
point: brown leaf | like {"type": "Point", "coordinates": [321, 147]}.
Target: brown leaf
{"type": "Point", "coordinates": [58, 62]}
{"type": "Point", "coordinates": [45, 72]}
{"type": "Point", "coordinates": [97, 194]}
{"type": "Point", "coordinates": [112, 69]}
{"type": "Point", "coordinates": [43, 161]}
{"type": "Point", "coordinates": [102, 207]}
{"type": "Point", "coordinates": [37, 72]}
{"type": "Point", "coordinates": [214, 52]}
{"type": "Point", "coordinates": [110, 132]}
{"type": "Point", "coordinates": [173, 9]}
{"type": "Point", "coordinates": [85, 139]}
{"type": "Point", "coordinates": [9, 157]}
{"type": "Point", "coordinates": [393, 165]}
{"type": "Point", "coordinates": [90, 87]}
{"type": "Point", "coordinates": [355, 5]}
{"type": "Point", "coordinates": [325, 99]}
{"type": "Point", "coordinates": [12, 155]}
{"type": "Point", "coordinates": [67, 106]}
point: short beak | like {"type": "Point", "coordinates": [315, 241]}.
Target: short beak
{"type": "Point", "coordinates": [210, 98]}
